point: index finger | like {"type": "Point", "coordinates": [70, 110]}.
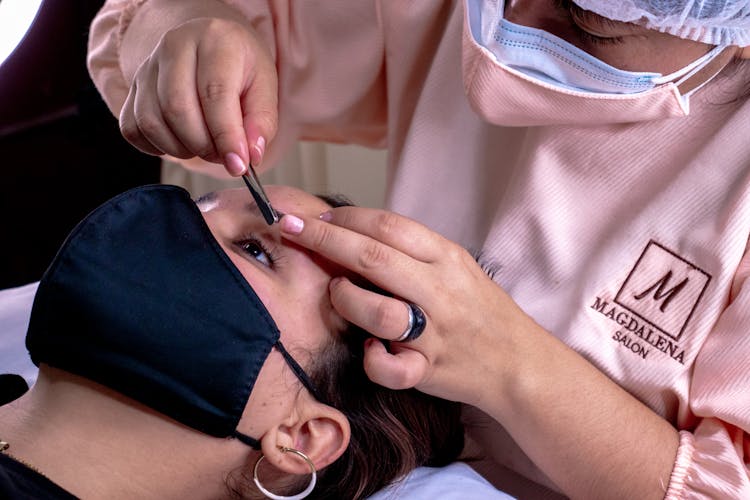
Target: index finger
{"type": "Point", "coordinates": [381, 264]}
{"type": "Point", "coordinates": [219, 88]}
{"type": "Point", "coordinates": [397, 231]}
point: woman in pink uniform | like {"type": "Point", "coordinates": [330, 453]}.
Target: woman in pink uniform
{"type": "Point", "coordinates": [594, 155]}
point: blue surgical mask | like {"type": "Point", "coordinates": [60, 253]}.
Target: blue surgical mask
{"type": "Point", "coordinates": [552, 60]}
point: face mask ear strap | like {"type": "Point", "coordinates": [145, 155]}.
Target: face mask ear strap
{"type": "Point", "coordinates": [301, 375]}
{"type": "Point", "coordinates": [706, 72]}
{"type": "Point", "coordinates": [297, 369]}
{"type": "Point", "coordinates": [244, 438]}
{"type": "Point", "coordinates": [691, 69]}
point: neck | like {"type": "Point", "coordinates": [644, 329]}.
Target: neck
{"type": "Point", "coordinates": [96, 443]}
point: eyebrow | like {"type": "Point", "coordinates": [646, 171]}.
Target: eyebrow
{"type": "Point", "coordinates": [333, 200]}
{"type": "Point", "coordinates": [206, 198]}
{"type": "Point", "coordinates": [213, 197]}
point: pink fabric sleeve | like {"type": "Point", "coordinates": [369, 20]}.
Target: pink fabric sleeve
{"type": "Point", "coordinates": [103, 58]}
{"type": "Point", "coordinates": [713, 461]}
{"type": "Point", "coordinates": [331, 73]}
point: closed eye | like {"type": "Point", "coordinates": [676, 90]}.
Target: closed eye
{"type": "Point", "coordinates": [593, 39]}
{"type": "Point", "coordinates": [581, 19]}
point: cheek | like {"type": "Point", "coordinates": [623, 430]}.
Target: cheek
{"type": "Point", "coordinates": [630, 55]}
{"type": "Point", "coordinates": [646, 53]}
{"type": "Point", "coordinates": [258, 280]}
{"type": "Point", "coordinates": [305, 315]}
{"type": "Point", "coordinates": [306, 304]}
{"type": "Point", "coordinates": [272, 397]}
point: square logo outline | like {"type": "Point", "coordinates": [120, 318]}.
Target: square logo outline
{"type": "Point", "coordinates": [620, 292]}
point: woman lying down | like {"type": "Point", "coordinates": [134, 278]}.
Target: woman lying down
{"type": "Point", "coordinates": [186, 351]}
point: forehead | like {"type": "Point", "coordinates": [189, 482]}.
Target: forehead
{"type": "Point", "coordinates": [283, 198]}
{"type": "Point", "coordinates": [293, 200]}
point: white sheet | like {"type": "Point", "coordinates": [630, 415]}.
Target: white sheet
{"type": "Point", "coordinates": [15, 309]}
{"type": "Point", "coordinates": [456, 481]}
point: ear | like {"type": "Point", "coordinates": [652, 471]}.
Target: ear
{"type": "Point", "coordinates": [744, 53]}
{"type": "Point", "coordinates": [317, 430]}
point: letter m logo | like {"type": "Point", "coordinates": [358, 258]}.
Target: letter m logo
{"type": "Point", "coordinates": [660, 291]}
{"type": "Point", "coordinates": [664, 289]}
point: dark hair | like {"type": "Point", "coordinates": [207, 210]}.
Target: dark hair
{"type": "Point", "coordinates": [392, 432]}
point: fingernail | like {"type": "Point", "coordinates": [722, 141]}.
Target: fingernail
{"type": "Point", "coordinates": [243, 150]}
{"type": "Point", "coordinates": [326, 216]}
{"type": "Point", "coordinates": [291, 224]}
{"type": "Point", "coordinates": [256, 154]}
{"type": "Point", "coordinates": [234, 164]}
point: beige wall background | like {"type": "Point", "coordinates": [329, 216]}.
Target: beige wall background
{"type": "Point", "coordinates": [318, 168]}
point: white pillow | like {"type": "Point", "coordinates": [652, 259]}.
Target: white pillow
{"type": "Point", "coordinates": [15, 310]}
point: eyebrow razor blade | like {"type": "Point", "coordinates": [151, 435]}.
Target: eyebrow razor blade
{"type": "Point", "coordinates": [259, 195]}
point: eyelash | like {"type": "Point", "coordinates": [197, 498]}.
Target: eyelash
{"type": "Point", "coordinates": [254, 240]}
{"type": "Point", "coordinates": [585, 36]}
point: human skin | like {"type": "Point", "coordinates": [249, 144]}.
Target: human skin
{"type": "Point", "coordinates": [506, 364]}
{"type": "Point", "coordinates": [202, 86]}
{"type": "Point", "coordinates": [536, 387]}
{"type": "Point", "coordinates": [65, 423]}
{"type": "Point", "coordinates": [206, 86]}
{"type": "Point", "coordinates": [636, 48]}
{"type": "Point", "coordinates": [293, 285]}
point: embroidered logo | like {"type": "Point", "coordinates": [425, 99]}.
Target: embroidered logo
{"type": "Point", "coordinates": [653, 306]}
{"type": "Point", "coordinates": [663, 289]}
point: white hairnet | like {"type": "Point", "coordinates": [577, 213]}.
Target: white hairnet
{"type": "Point", "coordinates": [717, 22]}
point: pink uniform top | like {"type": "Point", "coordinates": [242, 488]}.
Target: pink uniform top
{"type": "Point", "coordinates": [626, 241]}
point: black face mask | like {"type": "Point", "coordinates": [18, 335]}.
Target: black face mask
{"type": "Point", "coordinates": [142, 299]}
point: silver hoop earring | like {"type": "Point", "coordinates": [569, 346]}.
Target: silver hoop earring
{"type": "Point", "coordinates": [298, 496]}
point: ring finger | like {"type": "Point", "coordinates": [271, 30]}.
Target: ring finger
{"type": "Point", "coordinates": [149, 119]}
{"type": "Point", "coordinates": [129, 128]}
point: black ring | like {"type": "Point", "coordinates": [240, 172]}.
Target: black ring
{"type": "Point", "coordinates": [419, 322]}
